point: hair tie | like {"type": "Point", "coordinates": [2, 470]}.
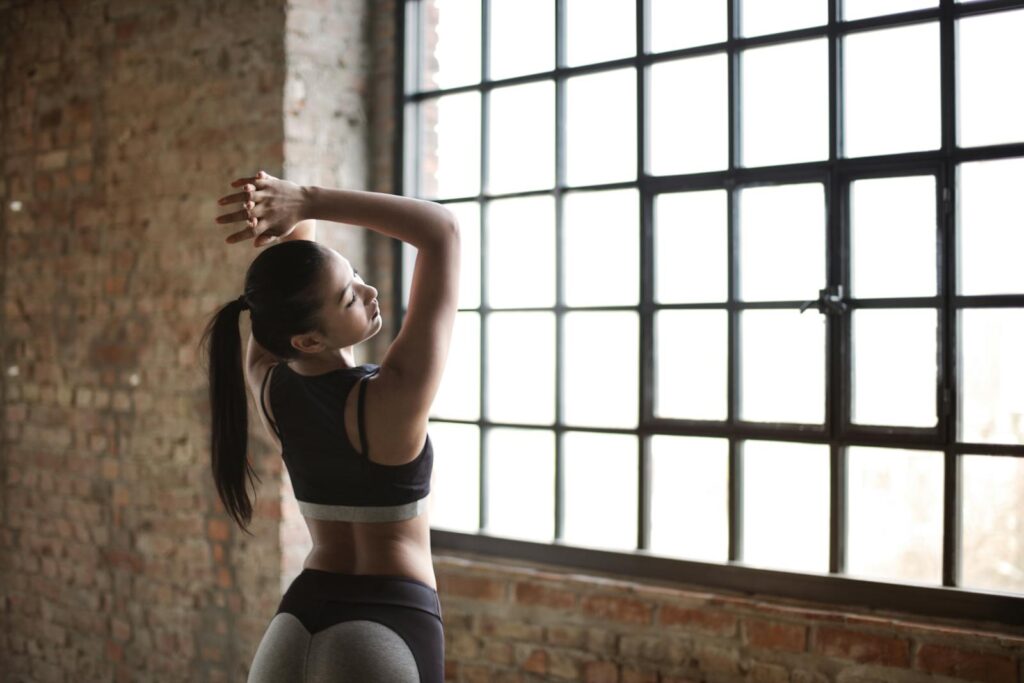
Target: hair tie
{"type": "Point", "coordinates": [241, 300]}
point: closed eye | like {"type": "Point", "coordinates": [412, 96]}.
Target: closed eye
{"type": "Point", "coordinates": [353, 289]}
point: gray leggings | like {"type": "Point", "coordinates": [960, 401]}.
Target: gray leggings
{"type": "Point", "coordinates": [343, 628]}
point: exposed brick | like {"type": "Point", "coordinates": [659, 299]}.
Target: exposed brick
{"type": "Point", "coordinates": [565, 636]}
{"type": "Point", "coordinates": [510, 629]}
{"type": "Point", "coordinates": [498, 652]}
{"type": "Point", "coordinates": [717, 659]}
{"type": "Point", "coordinates": [600, 672]}
{"type": "Point", "coordinates": [529, 593]}
{"type": "Point", "coordinates": [476, 588]}
{"type": "Point", "coordinates": [602, 641]}
{"type": "Point", "coordinates": [805, 676]}
{"type": "Point", "coordinates": [643, 647]}
{"type": "Point", "coordinates": [866, 648]}
{"type": "Point", "coordinates": [708, 621]}
{"type": "Point", "coordinates": [218, 530]}
{"type": "Point", "coordinates": [965, 664]}
{"type": "Point", "coordinates": [770, 635]}
{"type": "Point", "coordinates": [614, 608]}
{"type": "Point", "coordinates": [761, 672]}
{"type": "Point", "coordinates": [631, 675]}
{"type": "Point", "coordinates": [463, 644]}
{"type": "Point", "coordinates": [563, 665]}
{"type": "Point", "coordinates": [473, 673]}
{"type": "Point", "coordinates": [536, 662]}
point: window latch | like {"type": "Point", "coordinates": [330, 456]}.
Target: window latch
{"type": "Point", "coordinates": [828, 301]}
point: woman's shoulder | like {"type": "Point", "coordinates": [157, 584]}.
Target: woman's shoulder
{"type": "Point", "coordinates": [390, 393]}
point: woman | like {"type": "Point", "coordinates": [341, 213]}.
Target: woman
{"type": "Point", "coordinates": [365, 606]}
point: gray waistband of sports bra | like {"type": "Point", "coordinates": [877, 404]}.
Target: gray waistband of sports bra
{"type": "Point", "coordinates": [363, 513]}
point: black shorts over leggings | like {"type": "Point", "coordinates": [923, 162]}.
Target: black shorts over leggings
{"type": "Point", "coordinates": [342, 628]}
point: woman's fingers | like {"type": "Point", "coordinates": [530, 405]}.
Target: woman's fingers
{"type": "Point", "coordinates": [264, 240]}
{"type": "Point", "coordinates": [257, 180]}
{"type": "Point", "coordinates": [240, 197]}
{"type": "Point", "coordinates": [233, 217]}
{"type": "Point", "coordinates": [239, 236]}
{"type": "Point", "coordinates": [249, 196]}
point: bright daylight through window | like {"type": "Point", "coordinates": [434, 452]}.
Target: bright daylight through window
{"type": "Point", "coordinates": [740, 287]}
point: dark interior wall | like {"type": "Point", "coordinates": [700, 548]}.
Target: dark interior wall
{"type": "Point", "coordinates": [122, 124]}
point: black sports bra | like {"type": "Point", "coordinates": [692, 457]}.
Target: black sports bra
{"type": "Point", "coordinates": [331, 480]}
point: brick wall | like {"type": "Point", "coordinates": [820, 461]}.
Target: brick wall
{"type": "Point", "coordinates": [122, 123]}
{"type": "Point", "coordinates": [525, 623]}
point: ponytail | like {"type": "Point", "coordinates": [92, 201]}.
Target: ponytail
{"type": "Point", "coordinates": [282, 298]}
{"type": "Point", "coordinates": [229, 406]}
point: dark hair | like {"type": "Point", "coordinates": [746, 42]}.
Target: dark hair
{"type": "Point", "coordinates": [281, 294]}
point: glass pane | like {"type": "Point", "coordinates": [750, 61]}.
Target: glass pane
{"type": "Point", "coordinates": [691, 364]}
{"type": "Point", "coordinates": [600, 130]}
{"type": "Point", "coordinates": [521, 467]}
{"type": "Point", "coordinates": [516, 341]}
{"type": "Point", "coordinates": [458, 396]}
{"type": "Point", "coordinates": [598, 34]}
{"type": "Point", "coordinates": [990, 101]}
{"type": "Point", "coordinates": [993, 516]}
{"type": "Point", "coordinates": [892, 237]}
{"type": "Point", "coordinates": [895, 514]}
{"type": "Point", "coordinates": [784, 106]}
{"type": "Point", "coordinates": [782, 366]}
{"type": "Point", "coordinates": [468, 215]}
{"type": "Point", "coordinates": [602, 248]}
{"type": "Point", "coordinates": [895, 367]}
{"type": "Point", "coordinates": [691, 260]}
{"type": "Point", "coordinates": [510, 21]}
{"type": "Point", "coordinates": [450, 40]}
{"type": "Point", "coordinates": [782, 242]}
{"type": "Point", "coordinates": [891, 94]}
{"type": "Point", "coordinates": [786, 505]}
{"type": "Point", "coordinates": [859, 9]}
{"type": "Point", "coordinates": [600, 490]}
{"type": "Point", "coordinates": [522, 138]}
{"type": "Point", "coordinates": [409, 253]}
{"type": "Point", "coordinates": [989, 228]}
{"type": "Point", "coordinates": [758, 17]}
{"type": "Point", "coordinates": [450, 146]}
{"type": "Point", "coordinates": [690, 497]}
{"type": "Point", "coordinates": [455, 481]}
{"type": "Point", "coordinates": [600, 376]}
{"type": "Point", "coordinates": [520, 268]}
{"type": "Point", "coordinates": [992, 395]}
{"type": "Point", "coordinates": [676, 25]}
{"type": "Point", "coordinates": [689, 110]}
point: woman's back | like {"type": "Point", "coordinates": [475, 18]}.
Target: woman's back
{"type": "Point", "coordinates": [391, 486]}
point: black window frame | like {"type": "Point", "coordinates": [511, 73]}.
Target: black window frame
{"type": "Point", "coordinates": [836, 173]}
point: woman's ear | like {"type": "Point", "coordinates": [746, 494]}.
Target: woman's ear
{"type": "Point", "coordinates": [307, 343]}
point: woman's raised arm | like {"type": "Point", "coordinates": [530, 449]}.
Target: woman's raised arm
{"type": "Point", "coordinates": [414, 362]}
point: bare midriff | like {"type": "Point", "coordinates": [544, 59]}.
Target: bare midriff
{"type": "Point", "coordinates": [389, 548]}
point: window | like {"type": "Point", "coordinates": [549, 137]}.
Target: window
{"type": "Point", "coordinates": [741, 301]}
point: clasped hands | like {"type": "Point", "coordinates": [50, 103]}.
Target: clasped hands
{"type": "Point", "coordinates": [271, 207]}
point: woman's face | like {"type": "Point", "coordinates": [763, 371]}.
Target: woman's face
{"type": "Point", "coordinates": [350, 312]}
